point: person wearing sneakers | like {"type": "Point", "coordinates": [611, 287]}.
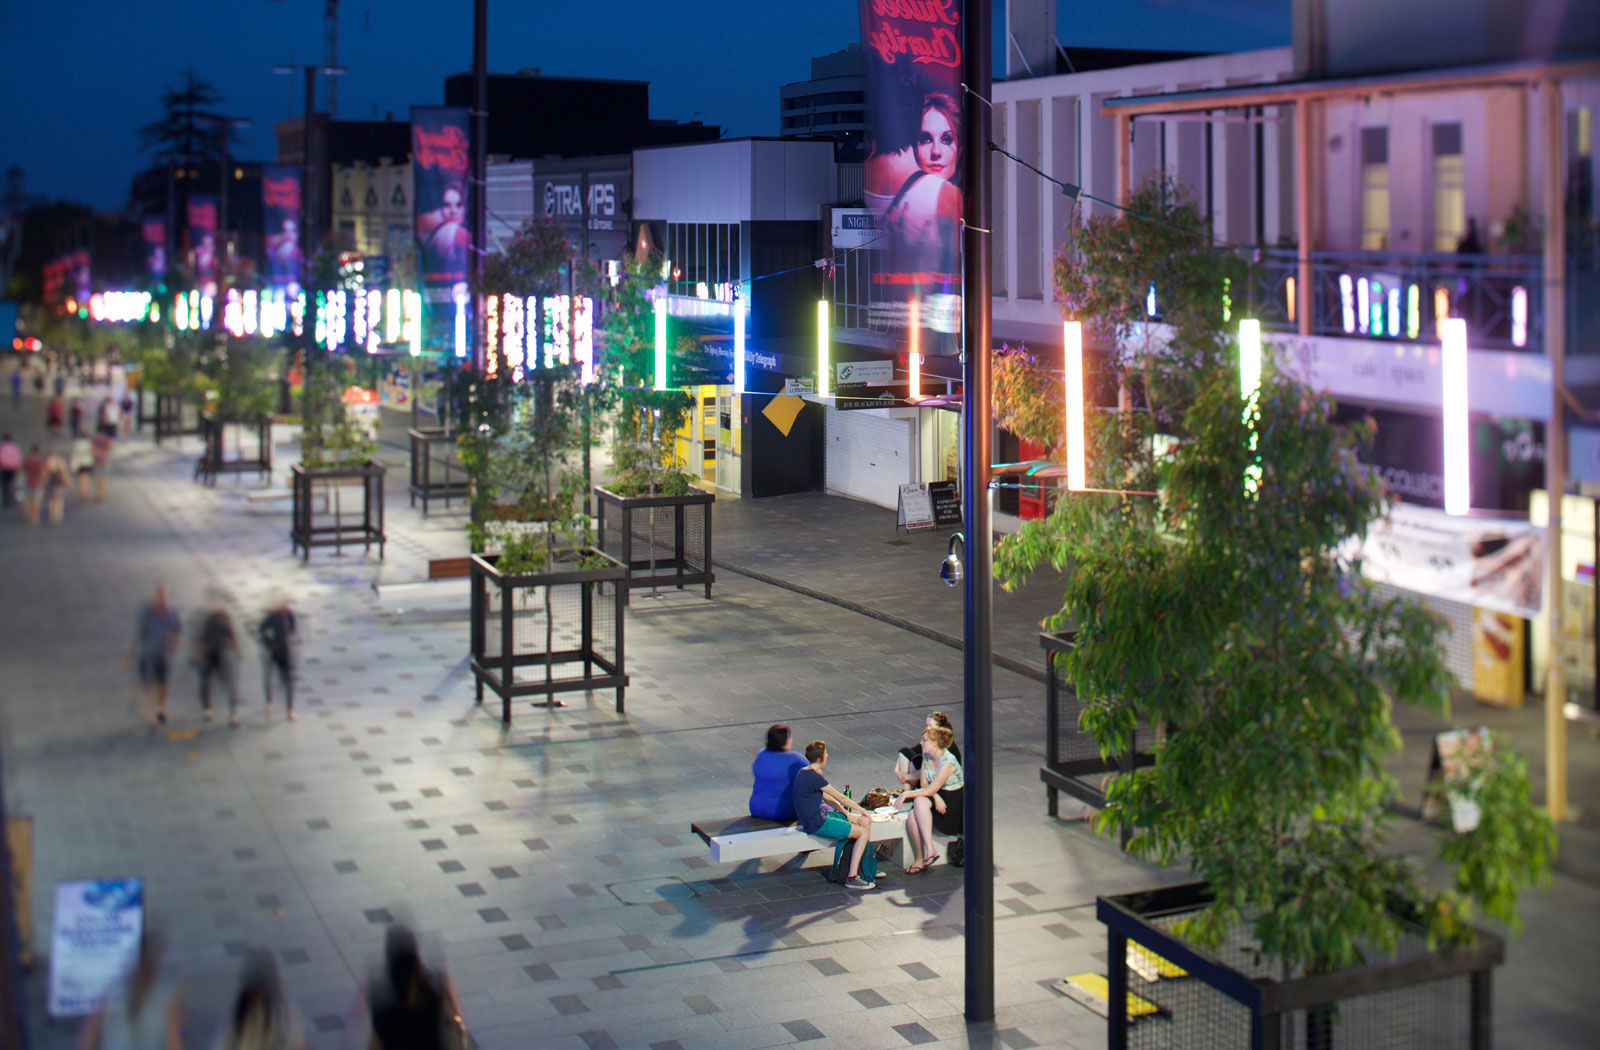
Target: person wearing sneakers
{"type": "Point", "coordinates": [155, 637]}
{"type": "Point", "coordinates": [811, 790]}
{"type": "Point", "coordinates": [217, 649]}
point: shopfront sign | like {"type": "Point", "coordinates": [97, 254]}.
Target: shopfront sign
{"type": "Point", "coordinates": [592, 199]}
{"type": "Point", "coordinates": [855, 228]}
{"type": "Point", "coordinates": [1492, 564]}
{"type": "Point", "coordinates": [946, 503]}
{"type": "Point", "coordinates": [94, 941]}
{"type": "Point", "coordinates": [864, 373]}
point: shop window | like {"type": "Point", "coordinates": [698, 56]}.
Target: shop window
{"type": "Point", "coordinates": [1449, 189]}
{"type": "Point", "coordinates": [1374, 189]}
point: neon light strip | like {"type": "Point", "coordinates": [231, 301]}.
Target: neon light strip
{"type": "Point", "coordinates": [738, 347]}
{"type": "Point", "coordinates": [914, 354]}
{"type": "Point", "coordinates": [1457, 476]}
{"type": "Point", "coordinates": [1519, 316]}
{"type": "Point", "coordinates": [661, 343]}
{"type": "Point", "coordinates": [1249, 358]}
{"type": "Point", "coordinates": [1072, 379]}
{"type": "Point", "coordinates": [824, 368]}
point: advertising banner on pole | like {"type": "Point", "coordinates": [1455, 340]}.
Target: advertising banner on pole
{"type": "Point", "coordinates": [202, 220]}
{"type": "Point", "coordinates": [1486, 563]}
{"type": "Point", "coordinates": [439, 169]}
{"type": "Point", "coordinates": [280, 220]}
{"type": "Point", "coordinates": [153, 232]}
{"type": "Point", "coordinates": [912, 175]}
{"type": "Point", "coordinates": [94, 941]}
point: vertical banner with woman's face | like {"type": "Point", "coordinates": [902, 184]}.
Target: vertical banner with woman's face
{"type": "Point", "coordinates": [153, 232]}
{"type": "Point", "coordinates": [202, 216]}
{"type": "Point", "coordinates": [913, 167]}
{"type": "Point", "coordinates": [280, 217]}
{"type": "Point", "coordinates": [439, 157]}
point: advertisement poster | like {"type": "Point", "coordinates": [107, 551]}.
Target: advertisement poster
{"type": "Point", "coordinates": [280, 219]}
{"type": "Point", "coordinates": [439, 166]}
{"type": "Point", "coordinates": [94, 940]}
{"type": "Point", "coordinates": [912, 175]}
{"type": "Point", "coordinates": [202, 219]}
{"type": "Point", "coordinates": [1497, 565]}
{"type": "Point", "coordinates": [153, 232]}
{"type": "Point", "coordinates": [1497, 657]}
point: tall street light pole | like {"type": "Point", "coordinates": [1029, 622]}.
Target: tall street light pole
{"type": "Point", "coordinates": [225, 127]}
{"type": "Point", "coordinates": [976, 673]}
{"type": "Point", "coordinates": [478, 199]}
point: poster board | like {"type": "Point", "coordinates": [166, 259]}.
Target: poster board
{"type": "Point", "coordinates": [95, 929]}
{"type": "Point", "coordinates": [1497, 657]}
{"type": "Point", "coordinates": [1451, 749]}
{"type": "Point", "coordinates": [946, 503]}
{"type": "Point", "coordinates": [916, 508]}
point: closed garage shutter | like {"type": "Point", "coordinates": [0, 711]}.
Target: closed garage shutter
{"type": "Point", "coordinates": [868, 455]}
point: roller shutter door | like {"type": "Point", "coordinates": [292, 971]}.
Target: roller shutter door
{"type": "Point", "coordinates": [868, 455]}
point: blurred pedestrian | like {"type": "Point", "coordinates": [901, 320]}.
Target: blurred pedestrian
{"type": "Point", "coordinates": [75, 416]}
{"type": "Point", "coordinates": [276, 632]}
{"type": "Point", "coordinates": [57, 479]}
{"type": "Point", "coordinates": [1468, 243]}
{"type": "Point", "coordinates": [127, 411]}
{"type": "Point", "coordinates": [107, 418]}
{"type": "Point", "coordinates": [261, 1017]}
{"type": "Point", "coordinates": [60, 383]}
{"type": "Point", "coordinates": [54, 412]}
{"type": "Point", "coordinates": [16, 387]}
{"type": "Point", "coordinates": [81, 462]}
{"type": "Point", "coordinates": [155, 638]}
{"type": "Point", "coordinates": [217, 651]}
{"type": "Point", "coordinates": [100, 449]}
{"type": "Point", "coordinates": [413, 1009]}
{"type": "Point", "coordinates": [10, 464]}
{"type": "Point", "coordinates": [33, 466]}
{"type": "Point", "coordinates": [145, 1013]}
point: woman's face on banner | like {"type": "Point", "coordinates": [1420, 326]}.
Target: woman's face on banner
{"type": "Point", "coordinates": [936, 145]}
{"type": "Point", "coordinates": [452, 205]}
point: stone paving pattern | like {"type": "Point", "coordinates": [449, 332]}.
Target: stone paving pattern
{"type": "Point", "coordinates": [553, 866]}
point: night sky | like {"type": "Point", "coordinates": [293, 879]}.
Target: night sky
{"type": "Point", "coordinates": [79, 78]}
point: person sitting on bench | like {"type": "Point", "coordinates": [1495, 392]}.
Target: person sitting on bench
{"type": "Point", "coordinates": [772, 796]}
{"type": "Point", "coordinates": [908, 763]}
{"type": "Point", "coordinates": [937, 803]}
{"type": "Point", "coordinates": [811, 790]}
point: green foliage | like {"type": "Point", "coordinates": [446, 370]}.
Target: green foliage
{"type": "Point", "coordinates": [644, 445]}
{"type": "Point", "coordinates": [237, 378]}
{"type": "Point", "coordinates": [190, 128]}
{"type": "Point", "coordinates": [1229, 616]}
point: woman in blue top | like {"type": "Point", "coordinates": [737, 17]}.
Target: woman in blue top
{"type": "Point", "coordinates": [773, 774]}
{"type": "Point", "coordinates": [936, 805]}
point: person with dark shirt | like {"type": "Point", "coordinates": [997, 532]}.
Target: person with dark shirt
{"type": "Point", "coordinates": [218, 648]}
{"type": "Point", "coordinates": [772, 796]}
{"type": "Point", "coordinates": [811, 790]}
{"type": "Point", "coordinates": [413, 1009]}
{"type": "Point", "coordinates": [276, 632]}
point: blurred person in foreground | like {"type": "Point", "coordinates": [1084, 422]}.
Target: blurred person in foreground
{"type": "Point", "coordinates": [10, 465]}
{"type": "Point", "coordinates": [217, 651]}
{"type": "Point", "coordinates": [155, 638]}
{"type": "Point", "coordinates": [413, 1009]}
{"type": "Point", "coordinates": [276, 632]}
{"type": "Point", "coordinates": [144, 1013]}
{"type": "Point", "coordinates": [261, 1017]}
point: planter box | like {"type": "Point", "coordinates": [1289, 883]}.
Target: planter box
{"type": "Point", "coordinates": [1435, 1000]}
{"type": "Point", "coordinates": [509, 654]}
{"type": "Point", "coordinates": [255, 452]}
{"type": "Point", "coordinates": [362, 482]}
{"type": "Point", "coordinates": [436, 471]}
{"type": "Point", "coordinates": [663, 540]}
{"type": "Point", "coordinates": [176, 416]}
{"type": "Point", "coordinates": [1073, 762]}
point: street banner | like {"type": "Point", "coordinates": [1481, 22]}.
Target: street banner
{"type": "Point", "coordinates": [202, 219]}
{"type": "Point", "coordinates": [94, 941]}
{"type": "Point", "coordinates": [1485, 563]}
{"type": "Point", "coordinates": [912, 175]}
{"type": "Point", "coordinates": [280, 219]}
{"type": "Point", "coordinates": [439, 168]}
{"type": "Point", "coordinates": [153, 232]}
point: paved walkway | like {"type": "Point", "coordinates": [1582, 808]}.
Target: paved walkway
{"type": "Point", "coordinates": [552, 866]}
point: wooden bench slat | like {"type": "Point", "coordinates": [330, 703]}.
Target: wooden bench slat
{"type": "Point", "coordinates": [449, 568]}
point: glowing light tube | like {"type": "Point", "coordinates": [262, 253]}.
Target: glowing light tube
{"type": "Point", "coordinates": [1072, 379]}
{"type": "Point", "coordinates": [391, 317]}
{"type": "Point", "coordinates": [1519, 316]}
{"type": "Point", "coordinates": [824, 367]}
{"type": "Point", "coordinates": [1457, 476]}
{"type": "Point", "coordinates": [738, 347]}
{"type": "Point", "coordinates": [661, 343]}
{"type": "Point", "coordinates": [1249, 358]}
{"type": "Point", "coordinates": [914, 353]}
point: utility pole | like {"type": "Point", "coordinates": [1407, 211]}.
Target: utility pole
{"type": "Point", "coordinates": [225, 127]}
{"type": "Point", "coordinates": [480, 165]}
{"type": "Point", "coordinates": [977, 674]}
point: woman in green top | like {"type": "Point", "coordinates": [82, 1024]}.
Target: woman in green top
{"type": "Point", "coordinates": [936, 805]}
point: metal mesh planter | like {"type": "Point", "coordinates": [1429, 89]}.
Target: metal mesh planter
{"type": "Point", "coordinates": [1073, 762]}
{"type": "Point", "coordinates": [663, 541]}
{"type": "Point", "coordinates": [585, 650]}
{"type": "Point", "coordinates": [335, 526]}
{"type": "Point", "coordinates": [1434, 1000]}
{"type": "Point", "coordinates": [436, 471]}
{"type": "Point", "coordinates": [176, 416]}
{"type": "Point", "coordinates": [214, 460]}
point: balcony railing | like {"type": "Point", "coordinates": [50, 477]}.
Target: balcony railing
{"type": "Point", "coordinates": [1389, 295]}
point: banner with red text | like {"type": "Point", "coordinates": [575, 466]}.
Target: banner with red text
{"type": "Point", "coordinates": [439, 168]}
{"type": "Point", "coordinates": [280, 220]}
{"type": "Point", "coordinates": [912, 175]}
{"type": "Point", "coordinates": [202, 222]}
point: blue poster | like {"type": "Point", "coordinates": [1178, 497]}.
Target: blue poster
{"type": "Point", "coordinates": [94, 940]}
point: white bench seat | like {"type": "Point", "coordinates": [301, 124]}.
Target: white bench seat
{"type": "Point", "coordinates": [735, 839]}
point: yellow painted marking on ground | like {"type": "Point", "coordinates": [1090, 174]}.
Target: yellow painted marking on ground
{"type": "Point", "coordinates": [182, 734]}
{"type": "Point", "coordinates": [1094, 991]}
{"type": "Point", "coordinates": [1150, 966]}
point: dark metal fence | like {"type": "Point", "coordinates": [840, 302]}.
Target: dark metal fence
{"type": "Point", "coordinates": [665, 541]}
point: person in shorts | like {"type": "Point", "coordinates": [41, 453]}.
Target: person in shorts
{"type": "Point", "coordinates": [811, 790]}
{"type": "Point", "coordinates": [155, 639]}
{"type": "Point", "coordinates": [100, 449]}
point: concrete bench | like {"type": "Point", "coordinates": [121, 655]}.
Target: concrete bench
{"type": "Point", "coordinates": [734, 839]}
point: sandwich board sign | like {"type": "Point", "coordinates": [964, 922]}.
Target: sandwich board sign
{"type": "Point", "coordinates": [916, 508]}
{"type": "Point", "coordinates": [94, 940]}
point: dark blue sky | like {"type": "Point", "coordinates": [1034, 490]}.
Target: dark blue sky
{"type": "Point", "coordinates": [79, 78]}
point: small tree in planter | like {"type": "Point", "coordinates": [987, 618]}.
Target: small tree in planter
{"type": "Point", "coordinates": [1227, 612]}
{"type": "Point", "coordinates": [237, 393]}
{"type": "Point", "coordinates": [647, 474]}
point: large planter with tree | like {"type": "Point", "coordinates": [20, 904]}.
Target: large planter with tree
{"type": "Point", "coordinates": [436, 470]}
{"type": "Point", "coordinates": [252, 446]}
{"type": "Point", "coordinates": [1226, 609]}
{"type": "Point", "coordinates": [239, 395]}
{"type": "Point", "coordinates": [650, 516]}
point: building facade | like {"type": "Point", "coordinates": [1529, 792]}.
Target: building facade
{"type": "Point", "coordinates": [831, 105]}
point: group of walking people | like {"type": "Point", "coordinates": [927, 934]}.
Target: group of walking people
{"type": "Point", "coordinates": [408, 1006]}
{"type": "Point", "coordinates": [156, 632]}
{"type": "Point", "coordinates": [791, 786]}
{"type": "Point", "coordinates": [41, 478]}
